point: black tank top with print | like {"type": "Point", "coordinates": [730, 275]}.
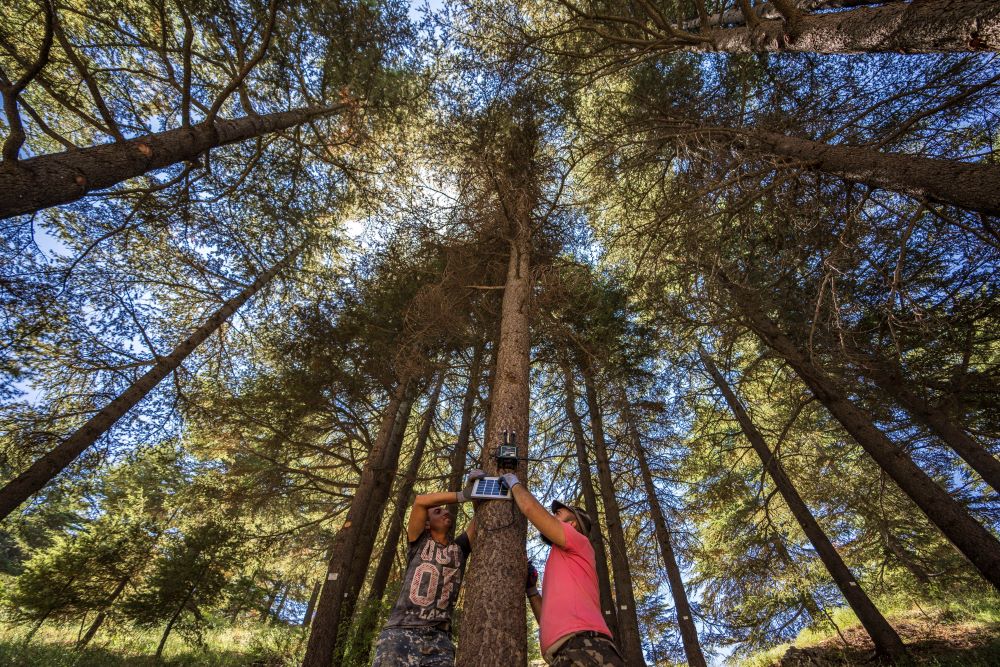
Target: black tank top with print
{"type": "Point", "coordinates": [433, 578]}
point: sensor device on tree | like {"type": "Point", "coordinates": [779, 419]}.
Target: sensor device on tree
{"type": "Point", "coordinates": [490, 488]}
{"type": "Point", "coordinates": [493, 488]}
{"type": "Point", "coordinates": [506, 454]}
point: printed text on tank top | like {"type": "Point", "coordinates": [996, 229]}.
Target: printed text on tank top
{"type": "Point", "coordinates": [431, 583]}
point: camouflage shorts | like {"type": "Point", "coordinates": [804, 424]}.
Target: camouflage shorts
{"type": "Point", "coordinates": [414, 647]}
{"type": "Point", "coordinates": [587, 651]}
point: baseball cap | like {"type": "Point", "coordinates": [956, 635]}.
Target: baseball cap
{"type": "Point", "coordinates": [582, 518]}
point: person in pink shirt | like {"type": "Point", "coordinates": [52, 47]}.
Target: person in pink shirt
{"type": "Point", "coordinates": [572, 629]}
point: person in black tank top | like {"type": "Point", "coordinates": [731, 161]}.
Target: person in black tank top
{"type": "Point", "coordinates": [418, 632]}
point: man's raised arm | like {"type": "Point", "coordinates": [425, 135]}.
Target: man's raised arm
{"type": "Point", "coordinates": [425, 501]}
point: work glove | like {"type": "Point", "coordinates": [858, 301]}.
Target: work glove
{"type": "Point", "coordinates": [510, 479]}
{"type": "Point", "coordinates": [531, 583]}
{"type": "Point", "coordinates": [465, 494]}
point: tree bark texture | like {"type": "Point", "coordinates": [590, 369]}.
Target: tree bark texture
{"type": "Point", "coordinates": [362, 555]}
{"type": "Point", "coordinates": [685, 619]}
{"type": "Point", "coordinates": [886, 640]}
{"type": "Point", "coordinates": [891, 381]}
{"type": "Point", "coordinates": [327, 617]}
{"type": "Point", "coordinates": [968, 185]}
{"type": "Point", "coordinates": [404, 497]}
{"type": "Point", "coordinates": [60, 178]}
{"type": "Point", "coordinates": [765, 10]}
{"type": "Point", "coordinates": [311, 605]}
{"type": "Point", "coordinates": [974, 541]}
{"type": "Point", "coordinates": [42, 471]}
{"type": "Point", "coordinates": [493, 620]}
{"type": "Point", "coordinates": [922, 26]}
{"type": "Point", "coordinates": [403, 500]}
{"type": "Point", "coordinates": [590, 502]}
{"type": "Point", "coordinates": [628, 625]}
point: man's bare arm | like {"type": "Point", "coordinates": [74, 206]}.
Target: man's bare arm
{"type": "Point", "coordinates": [418, 513]}
{"type": "Point", "coordinates": [423, 502]}
{"type": "Point", "coordinates": [470, 530]}
{"type": "Point", "coordinates": [536, 607]}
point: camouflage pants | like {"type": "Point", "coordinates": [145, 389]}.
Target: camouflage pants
{"type": "Point", "coordinates": [414, 647]}
{"type": "Point", "coordinates": [587, 651]}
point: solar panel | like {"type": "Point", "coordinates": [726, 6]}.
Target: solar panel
{"type": "Point", "coordinates": [490, 488]}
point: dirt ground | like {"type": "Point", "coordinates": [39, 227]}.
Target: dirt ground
{"type": "Point", "coordinates": [931, 642]}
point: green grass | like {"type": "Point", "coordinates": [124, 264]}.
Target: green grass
{"type": "Point", "coordinates": [52, 646]}
{"type": "Point", "coordinates": [765, 658]}
{"type": "Point", "coordinates": [264, 646]}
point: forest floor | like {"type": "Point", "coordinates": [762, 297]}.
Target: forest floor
{"type": "Point", "coordinates": [252, 645]}
{"type": "Point", "coordinates": [930, 643]}
{"type": "Point", "coordinates": [959, 633]}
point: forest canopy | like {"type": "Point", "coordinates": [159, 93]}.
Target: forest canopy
{"type": "Point", "coordinates": [269, 271]}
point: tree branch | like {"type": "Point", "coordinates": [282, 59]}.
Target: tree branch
{"type": "Point", "coordinates": [11, 91]}
{"type": "Point", "coordinates": [228, 90]}
{"type": "Point", "coordinates": [88, 80]}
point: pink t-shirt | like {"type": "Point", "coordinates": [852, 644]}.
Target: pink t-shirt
{"type": "Point", "coordinates": [571, 600]}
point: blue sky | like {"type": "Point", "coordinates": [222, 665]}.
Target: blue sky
{"type": "Point", "coordinates": [417, 6]}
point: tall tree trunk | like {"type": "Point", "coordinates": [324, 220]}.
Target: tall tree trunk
{"type": "Point", "coordinates": [765, 10]}
{"type": "Point", "coordinates": [922, 26]}
{"type": "Point", "coordinates": [265, 610]}
{"type": "Point", "coordinates": [628, 623]}
{"type": "Point", "coordinates": [590, 502]}
{"type": "Point", "coordinates": [166, 632]}
{"type": "Point", "coordinates": [890, 380]}
{"type": "Point", "coordinates": [123, 584]}
{"type": "Point", "coordinates": [887, 642]}
{"type": "Point", "coordinates": [976, 543]}
{"type": "Point", "coordinates": [969, 185]}
{"type": "Point", "coordinates": [37, 626]}
{"type": "Point", "coordinates": [685, 620]}
{"type": "Point", "coordinates": [360, 650]}
{"type": "Point", "coordinates": [180, 610]}
{"type": "Point", "coordinates": [494, 611]}
{"type": "Point", "coordinates": [48, 466]}
{"type": "Point", "coordinates": [362, 555]}
{"type": "Point", "coordinates": [327, 619]}
{"type": "Point", "coordinates": [404, 497]}
{"type": "Point", "coordinates": [307, 618]}
{"type": "Point", "coordinates": [102, 615]}
{"type": "Point", "coordinates": [276, 616]}
{"type": "Point", "coordinates": [237, 609]}
{"type": "Point", "coordinates": [461, 450]}
{"type": "Point", "coordinates": [60, 178]}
